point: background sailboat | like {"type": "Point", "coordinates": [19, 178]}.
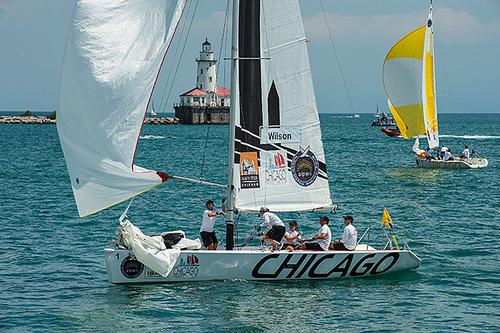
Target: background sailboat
{"type": "Point", "coordinates": [408, 77]}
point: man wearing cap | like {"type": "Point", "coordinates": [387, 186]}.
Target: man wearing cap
{"type": "Point", "coordinates": [277, 231]}
{"type": "Point", "coordinates": [292, 237]}
{"type": "Point", "coordinates": [349, 237]}
{"type": "Point", "coordinates": [207, 232]}
{"type": "Point", "coordinates": [322, 238]}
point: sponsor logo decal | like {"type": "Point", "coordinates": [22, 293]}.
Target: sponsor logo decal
{"type": "Point", "coordinates": [275, 168]}
{"type": "Point", "coordinates": [312, 266]}
{"type": "Point", "coordinates": [280, 135]}
{"type": "Point", "coordinates": [131, 267]}
{"type": "Point", "coordinates": [249, 170]}
{"type": "Point", "coordinates": [150, 274]}
{"type": "Point", "coordinates": [186, 269]}
{"type": "Point", "coordinates": [304, 167]}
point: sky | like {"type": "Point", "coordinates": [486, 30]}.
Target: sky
{"type": "Point", "coordinates": [467, 51]}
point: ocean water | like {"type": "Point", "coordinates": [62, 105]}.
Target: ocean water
{"type": "Point", "coordinates": [53, 278]}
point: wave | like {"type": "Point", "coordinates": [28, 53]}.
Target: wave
{"type": "Point", "coordinates": [477, 137]}
{"type": "Point", "coordinates": [151, 137]}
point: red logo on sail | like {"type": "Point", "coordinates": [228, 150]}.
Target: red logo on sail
{"type": "Point", "coordinates": [192, 260]}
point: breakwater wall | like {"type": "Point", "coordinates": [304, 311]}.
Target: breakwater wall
{"type": "Point", "coordinates": [46, 120]}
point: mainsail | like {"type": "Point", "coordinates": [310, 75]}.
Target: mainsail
{"type": "Point", "coordinates": [278, 152]}
{"type": "Point", "coordinates": [429, 87]}
{"type": "Point", "coordinates": [408, 78]}
{"type": "Point", "coordinates": [113, 55]}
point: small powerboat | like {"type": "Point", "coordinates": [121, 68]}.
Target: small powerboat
{"type": "Point", "coordinates": [391, 131]}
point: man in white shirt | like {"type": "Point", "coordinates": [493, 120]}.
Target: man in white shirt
{"type": "Point", "coordinates": [292, 237]}
{"type": "Point", "coordinates": [322, 239]}
{"type": "Point", "coordinates": [447, 156]}
{"type": "Point", "coordinates": [207, 232]}
{"type": "Point", "coordinates": [466, 152]}
{"type": "Point", "coordinates": [349, 237]}
{"type": "Point", "coordinates": [277, 231]}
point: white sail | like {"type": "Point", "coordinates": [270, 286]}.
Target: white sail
{"type": "Point", "coordinates": [279, 158]}
{"type": "Point", "coordinates": [113, 54]}
{"type": "Point", "coordinates": [429, 87]}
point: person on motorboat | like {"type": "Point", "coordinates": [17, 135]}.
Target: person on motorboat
{"type": "Point", "coordinates": [292, 237]}
{"type": "Point", "coordinates": [207, 232]}
{"type": "Point", "coordinates": [465, 152]}
{"type": "Point", "coordinates": [320, 241]}
{"type": "Point", "coordinates": [349, 237]}
{"type": "Point", "coordinates": [277, 231]}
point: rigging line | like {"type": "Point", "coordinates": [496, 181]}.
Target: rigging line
{"type": "Point", "coordinates": [195, 194]}
{"type": "Point", "coordinates": [174, 59]}
{"type": "Point", "coordinates": [167, 209]}
{"type": "Point", "coordinates": [205, 147]}
{"type": "Point", "coordinates": [224, 30]}
{"type": "Point", "coordinates": [336, 55]}
{"type": "Point", "coordinates": [183, 49]}
{"type": "Point", "coordinates": [226, 52]}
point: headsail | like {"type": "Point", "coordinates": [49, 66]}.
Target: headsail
{"type": "Point", "coordinates": [408, 78]}
{"type": "Point", "coordinates": [113, 54]}
{"type": "Point", "coordinates": [278, 159]}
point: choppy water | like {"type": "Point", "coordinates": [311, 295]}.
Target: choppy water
{"type": "Point", "coordinates": [53, 277]}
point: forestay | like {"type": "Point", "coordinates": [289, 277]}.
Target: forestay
{"type": "Point", "coordinates": [279, 160]}
{"type": "Point", "coordinates": [408, 78]}
{"type": "Point", "coordinates": [113, 54]}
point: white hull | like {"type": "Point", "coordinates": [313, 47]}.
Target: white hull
{"type": "Point", "coordinates": [458, 163]}
{"type": "Point", "coordinates": [260, 265]}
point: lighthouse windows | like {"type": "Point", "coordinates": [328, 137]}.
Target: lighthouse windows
{"type": "Point", "coordinates": [210, 78]}
{"type": "Point", "coordinates": [201, 71]}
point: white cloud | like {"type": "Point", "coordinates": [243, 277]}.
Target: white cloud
{"type": "Point", "coordinates": [451, 26]}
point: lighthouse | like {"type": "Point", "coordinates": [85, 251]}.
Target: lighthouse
{"type": "Point", "coordinates": [206, 77]}
{"type": "Point", "coordinates": [206, 103]}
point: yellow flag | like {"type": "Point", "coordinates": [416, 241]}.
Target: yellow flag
{"type": "Point", "coordinates": [386, 219]}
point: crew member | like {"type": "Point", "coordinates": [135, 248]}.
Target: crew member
{"type": "Point", "coordinates": [321, 241]}
{"type": "Point", "coordinates": [428, 154]}
{"type": "Point", "coordinates": [465, 152]}
{"type": "Point", "coordinates": [349, 237]}
{"type": "Point", "coordinates": [292, 237]}
{"type": "Point", "coordinates": [207, 232]}
{"type": "Point", "coordinates": [277, 231]}
{"type": "Point", "coordinates": [447, 155]}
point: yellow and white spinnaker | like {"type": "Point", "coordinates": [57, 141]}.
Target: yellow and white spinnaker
{"type": "Point", "coordinates": [408, 78]}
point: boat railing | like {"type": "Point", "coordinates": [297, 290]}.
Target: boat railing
{"type": "Point", "coordinates": [392, 239]}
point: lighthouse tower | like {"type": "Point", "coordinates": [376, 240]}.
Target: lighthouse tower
{"type": "Point", "coordinates": [207, 73]}
{"type": "Point", "coordinates": [206, 103]}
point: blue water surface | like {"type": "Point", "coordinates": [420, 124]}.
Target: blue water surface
{"type": "Point", "coordinates": [53, 277]}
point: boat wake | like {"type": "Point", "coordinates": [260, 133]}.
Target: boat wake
{"type": "Point", "coordinates": [477, 137]}
{"type": "Point", "coordinates": [151, 137]}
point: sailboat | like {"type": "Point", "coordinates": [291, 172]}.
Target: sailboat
{"type": "Point", "coordinates": [106, 86]}
{"type": "Point", "coordinates": [152, 112]}
{"type": "Point", "coordinates": [408, 77]}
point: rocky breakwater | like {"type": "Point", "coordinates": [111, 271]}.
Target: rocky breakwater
{"type": "Point", "coordinates": [161, 121]}
{"type": "Point", "coordinates": [26, 120]}
{"type": "Point", "coordinates": [46, 120]}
